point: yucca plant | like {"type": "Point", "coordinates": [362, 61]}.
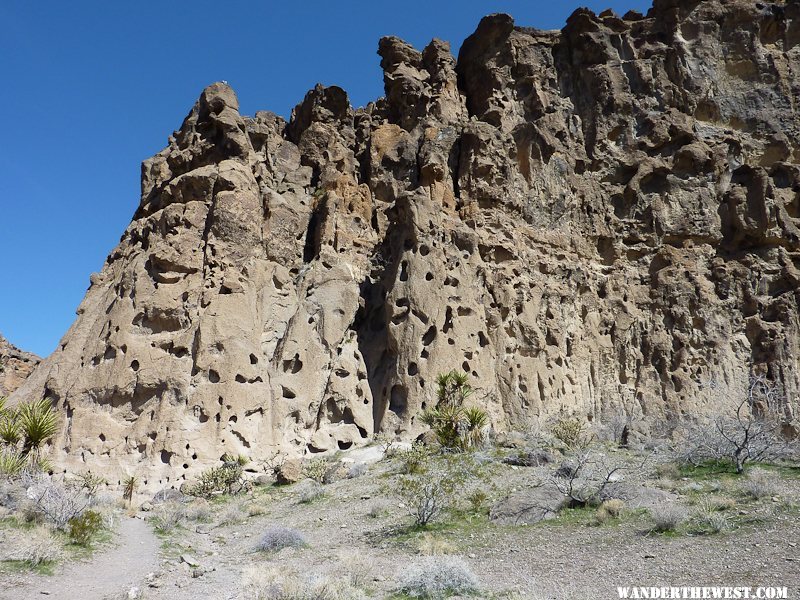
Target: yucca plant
{"type": "Point", "coordinates": [11, 462]}
{"type": "Point", "coordinates": [10, 434]}
{"type": "Point", "coordinates": [38, 422]}
{"type": "Point", "coordinates": [477, 419]}
{"type": "Point", "coordinates": [128, 488]}
{"type": "Point", "coordinates": [456, 427]}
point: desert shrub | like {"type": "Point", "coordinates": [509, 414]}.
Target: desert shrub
{"type": "Point", "coordinates": [227, 478]}
{"type": "Point", "coordinates": [357, 470]}
{"type": "Point", "coordinates": [357, 568]}
{"type": "Point", "coordinates": [386, 441]}
{"type": "Point", "coordinates": [167, 516]}
{"type": "Point", "coordinates": [610, 509]}
{"type": "Point", "coordinates": [231, 515]}
{"type": "Point", "coordinates": [306, 494]}
{"type": "Point", "coordinates": [571, 432]}
{"type": "Point", "coordinates": [583, 478]}
{"type": "Point", "coordinates": [375, 510]}
{"type": "Point", "coordinates": [316, 469]}
{"type": "Point", "coordinates": [751, 433]}
{"type": "Point", "coordinates": [82, 529]}
{"type": "Point", "coordinates": [433, 545]}
{"type": "Point", "coordinates": [759, 484]}
{"type": "Point", "coordinates": [199, 510]}
{"type": "Point", "coordinates": [56, 502]}
{"type": "Point", "coordinates": [668, 517]}
{"type": "Point", "coordinates": [255, 509]}
{"type": "Point", "coordinates": [477, 500]}
{"type": "Point", "coordinates": [437, 577]}
{"type": "Point", "coordinates": [426, 495]}
{"type": "Point", "coordinates": [91, 482]}
{"type": "Point", "coordinates": [455, 426]}
{"type": "Point", "coordinates": [278, 537]}
{"type": "Point", "coordinates": [414, 459]}
{"type": "Point", "coordinates": [668, 470]}
{"type": "Point", "coordinates": [34, 547]}
{"type": "Point", "coordinates": [278, 584]}
{"type": "Point", "coordinates": [710, 522]}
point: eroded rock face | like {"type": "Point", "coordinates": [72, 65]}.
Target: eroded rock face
{"type": "Point", "coordinates": [15, 366]}
{"type": "Point", "coordinates": [596, 220]}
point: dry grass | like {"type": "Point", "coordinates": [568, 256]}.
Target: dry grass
{"type": "Point", "coordinates": [279, 584]}
{"type": "Point", "coordinates": [34, 547]}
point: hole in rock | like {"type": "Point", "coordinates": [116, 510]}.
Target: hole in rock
{"type": "Point", "coordinates": [213, 376]}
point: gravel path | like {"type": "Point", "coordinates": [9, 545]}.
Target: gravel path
{"type": "Point", "coordinates": [107, 574]}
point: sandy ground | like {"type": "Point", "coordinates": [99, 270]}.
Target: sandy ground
{"type": "Point", "coordinates": [360, 522]}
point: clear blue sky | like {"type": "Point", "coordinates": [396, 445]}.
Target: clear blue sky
{"type": "Point", "coordinates": [92, 88]}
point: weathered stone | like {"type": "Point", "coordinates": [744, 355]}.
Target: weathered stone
{"type": "Point", "coordinates": [15, 366]}
{"type": "Point", "coordinates": [594, 222]}
{"type": "Point", "coordinates": [290, 471]}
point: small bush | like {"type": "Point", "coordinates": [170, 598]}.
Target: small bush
{"type": "Point", "coordinates": [610, 509]}
{"type": "Point", "coordinates": [279, 537]}
{"type": "Point", "coordinates": [278, 584]}
{"type": "Point", "coordinates": [710, 523]}
{"type": "Point", "coordinates": [426, 495]}
{"type": "Point", "coordinates": [34, 547]}
{"type": "Point", "coordinates": [437, 577]}
{"type": "Point", "coordinates": [167, 516]}
{"type": "Point", "coordinates": [668, 470]}
{"type": "Point", "coordinates": [199, 510]}
{"type": "Point", "coordinates": [386, 441]}
{"type": "Point", "coordinates": [225, 479]}
{"type": "Point", "coordinates": [571, 432]}
{"type": "Point", "coordinates": [231, 515]}
{"type": "Point", "coordinates": [759, 484]}
{"type": "Point", "coordinates": [432, 545]}
{"type": "Point", "coordinates": [308, 493]}
{"type": "Point", "coordinates": [56, 502]}
{"type": "Point", "coordinates": [254, 509]}
{"type": "Point", "coordinates": [91, 482]}
{"type": "Point", "coordinates": [477, 500]}
{"type": "Point", "coordinates": [413, 460]}
{"type": "Point", "coordinates": [668, 518]}
{"type": "Point", "coordinates": [84, 528]}
{"type": "Point", "coordinates": [316, 469]}
{"type": "Point", "coordinates": [357, 470]}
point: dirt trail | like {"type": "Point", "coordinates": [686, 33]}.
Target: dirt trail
{"type": "Point", "coordinates": [107, 574]}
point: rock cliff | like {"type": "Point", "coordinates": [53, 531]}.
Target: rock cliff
{"type": "Point", "coordinates": [599, 220]}
{"type": "Point", "coordinates": [15, 366]}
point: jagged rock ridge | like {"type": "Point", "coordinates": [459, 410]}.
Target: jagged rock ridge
{"type": "Point", "coordinates": [595, 220]}
{"type": "Point", "coordinates": [15, 366]}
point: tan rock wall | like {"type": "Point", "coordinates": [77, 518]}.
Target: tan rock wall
{"type": "Point", "coordinates": [597, 221]}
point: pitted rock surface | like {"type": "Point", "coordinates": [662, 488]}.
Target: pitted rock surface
{"type": "Point", "coordinates": [15, 366]}
{"type": "Point", "coordinates": [599, 220]}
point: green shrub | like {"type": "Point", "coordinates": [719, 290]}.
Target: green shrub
{"type": "Point", "coordinates": [316, 469]}
{"type": "Point", "coordinates": [571, 432]}
{"type": "Point", "coordinates": [215, 481]}
{"type": "Point", "coordinates": [91, 482]}
{"type": "Point", "coordinates": [414, 459]}
{"type": "Point", "coordinates": [82, 529]}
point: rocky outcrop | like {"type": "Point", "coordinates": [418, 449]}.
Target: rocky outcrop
{"type": "Point", "coordinates": [15, 366]}
{"type": "Point", "coordinates": [598, 220]}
